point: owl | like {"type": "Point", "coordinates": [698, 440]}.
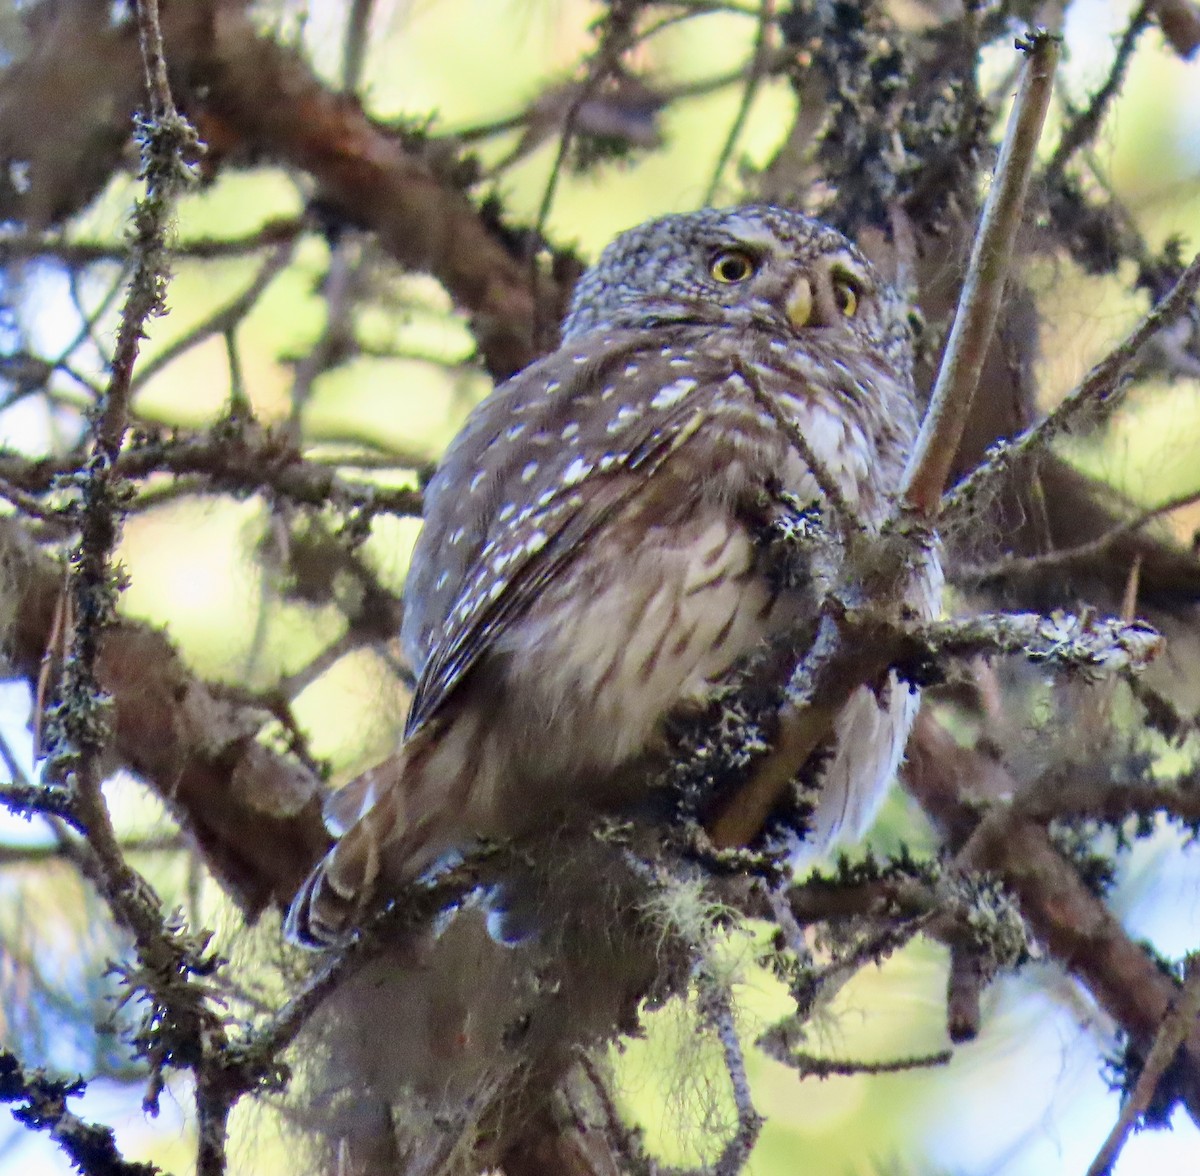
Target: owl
{"type": "Point", "coordinates": [591, 563]}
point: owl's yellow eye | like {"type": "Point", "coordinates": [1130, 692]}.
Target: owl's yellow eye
{"type": "Point", "coordinates": [846, 293]}
{"type": "Point", "coordinates": [731, 266]}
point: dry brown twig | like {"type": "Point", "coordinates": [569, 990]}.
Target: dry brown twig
{"type": "Point", "coordinates": [1019, 565]}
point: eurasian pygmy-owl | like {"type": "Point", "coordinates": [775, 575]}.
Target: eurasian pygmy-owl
{"type": "Point", "coordinates": [589, 561]}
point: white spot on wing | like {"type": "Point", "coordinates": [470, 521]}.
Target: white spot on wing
{"type": "Point", "coordinates": [530, 469]}
{"type": "Point", "coordinates": [626, 414]}
{"type": "Point", "coordinates": [576, 472]}
{"type": "Point", "coordinates": [672, 393]}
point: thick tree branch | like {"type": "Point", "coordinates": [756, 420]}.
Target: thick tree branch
{"type": "Point", "coordinates": [256, 99]}
{"type": "Point", "coordinates": [255, 814]}
{"type": "Point", "coordinates": [262, 100]}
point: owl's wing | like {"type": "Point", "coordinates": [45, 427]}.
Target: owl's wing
{"type": "Point", "coordinates": [537, 470]}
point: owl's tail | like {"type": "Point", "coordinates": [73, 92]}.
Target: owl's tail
{"type": "Point", "coordinates": [380, 845]}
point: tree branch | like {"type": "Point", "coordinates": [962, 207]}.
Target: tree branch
{"type": "Point", "coordinates": [1099, 392]}
{"type": "Point", "coordinates": [255, 814]}
{"type": "Point", "coordinates": [42, 1104]}
{"type": "Point", "coordinates": [979, 302]}
{"type": "Point", "coordinates": [1180, 1022]}
{"type": "Point", "coordinates": [1074, 926]}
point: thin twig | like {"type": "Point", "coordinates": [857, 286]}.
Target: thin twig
{"type": "Point", "coordinates": [339, 288]}
{"type": "Point", "coordinates": [811, 1066]}
{"type": "Point", "coordinates": [240, 458]}
{"type": "Point", "coordinates": [1021, 565]}
{"type": "Point", "coordinates": [1105, 644]}
{"type": "Point", "coordinates": [1083, 128]}
{"type": "Point", "coordinates": [221, 321]}
{"type": "Point", "coordinates": [29, 505]}
{"type": "Point", "coordinates": [979, 302]}
{"type": "Point", "coordinates": [1099, 391]}
{"type": "Point", "coordinates": [180, 1023]}
{"type": "Point", "coordinates": [619, 33]}
{"type": "Point", "coordinates": [625, 1141]}
{"type": "Point", "coordinates": [41, 1103]}
{"type": "Point", "coordinates": [1175, 1028]}
{"type": "Point", "coordinates": [82, 253]}
{"type": "Point", "coordinates": [718, 1009]}
{"type": "Point", "coordinates": [165, 138]}
{"type": "Point", "coordinates": [88, 321]}
{"type": "Point", "coordinates": [775, 60]}
{"type": "Point", "coordinates": [750, 90]}
{"type": "Point", "coordinates": [19, 855]}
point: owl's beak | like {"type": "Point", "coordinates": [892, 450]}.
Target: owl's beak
{"type": "Point", "coordinates": [799, 305]}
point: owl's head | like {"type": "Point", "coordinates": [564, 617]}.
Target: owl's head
{"type": "Point", "coordinates": [754, 266]}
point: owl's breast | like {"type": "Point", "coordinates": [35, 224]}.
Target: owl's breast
{"type": "Point", "coordinates": [747, 452]}
{"type": "Point", "coordinates": [662, 604]}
